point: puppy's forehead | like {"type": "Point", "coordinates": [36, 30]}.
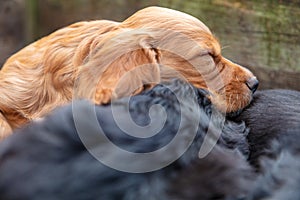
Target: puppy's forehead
{"type": "Point", "coordinates": [158, 15]}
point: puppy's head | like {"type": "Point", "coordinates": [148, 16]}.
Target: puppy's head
{"type": "Point", "coordinates": [197, 58]}
{"type": "Point", "coordinates": [187, 47]}
{"type": "Point", "coordinates": [142, 52]}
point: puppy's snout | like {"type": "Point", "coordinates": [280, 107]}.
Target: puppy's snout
{"type": "Point", "coordinates": [252, 84]}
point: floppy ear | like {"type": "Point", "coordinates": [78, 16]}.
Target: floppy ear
{"type": "Point", "coordinates": [129, 75]}
{"type": "Point", "coordinates": [122, 66]}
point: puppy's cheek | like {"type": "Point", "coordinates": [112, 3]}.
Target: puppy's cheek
{"type": "Point", "coordinates": [219, 101]}
{"type": "Point", "coordinates": [237, 97]}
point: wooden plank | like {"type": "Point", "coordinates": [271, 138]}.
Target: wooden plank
{"type": "Point", "coordinates": [11, 28]}
{"type": "Point", "coordinates": [32, 16]}
{"type": "Point", "coordinates": [263, 35]}
{"type": "Point", "coordinates": [272, 78]}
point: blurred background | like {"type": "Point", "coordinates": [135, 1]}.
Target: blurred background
{"type": "Point", "coordinates": [263, 36]}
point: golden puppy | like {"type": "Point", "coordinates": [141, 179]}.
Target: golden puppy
{"type": "Point", "coordinates": [101, 60]}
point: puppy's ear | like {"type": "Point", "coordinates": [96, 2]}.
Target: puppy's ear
{"type": "Point", "coordinates": [123, 65]}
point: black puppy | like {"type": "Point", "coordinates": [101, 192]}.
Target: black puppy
{"type": "Point", "coordinates": [71, 154]}
{"type": "Point", "coordinates": [271, 115]}
{"type": "Point", "coordinates": [274, 138]}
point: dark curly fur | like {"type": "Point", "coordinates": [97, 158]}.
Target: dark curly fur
{"type": "Point", "coordinates": [47, 160]}
{"type": "Point", "coordinates": [274, 121]}
{"type": "Point", "coordinates": [271, 114]}
{"type": "Point", "coordinates": [280, 167]}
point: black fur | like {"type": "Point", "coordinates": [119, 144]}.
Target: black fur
{"type": "Point", "coordinates": [271, 114]}
{"type": "Point", "coordinates": [280, 167]}
{"type": "Point", "coordinates": [47, 160]}
{"type": "Point", "coordinates": [274, 121]}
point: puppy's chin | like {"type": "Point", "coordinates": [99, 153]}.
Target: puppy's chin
{"type": "Point", "coordinates": [229, 107]}
{"type": "Point", "coordinates": [236, 113]}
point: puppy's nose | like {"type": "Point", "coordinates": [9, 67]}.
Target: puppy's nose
{"type": "Point", "coordinates": [252, 84]}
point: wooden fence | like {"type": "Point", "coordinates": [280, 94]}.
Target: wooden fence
{"type": "Point", "coordinates": [261, 35]}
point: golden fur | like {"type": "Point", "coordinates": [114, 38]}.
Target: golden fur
{"type": "Point", "coordinates": [101, 60]}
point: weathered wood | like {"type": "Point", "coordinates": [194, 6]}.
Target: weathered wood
{"type": "Point", "coordinates": [261, 35]}
{"type": "Point", "coordinates": [11, 28]}
{"type": "Point", "coordinates": [276, 78]}
{"type": "Point", "coordinates": [32, 16]}
{"type": "Point", "coordinates": [255, 33]}
{"type": "Point", "coordinates": [54, 14]}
